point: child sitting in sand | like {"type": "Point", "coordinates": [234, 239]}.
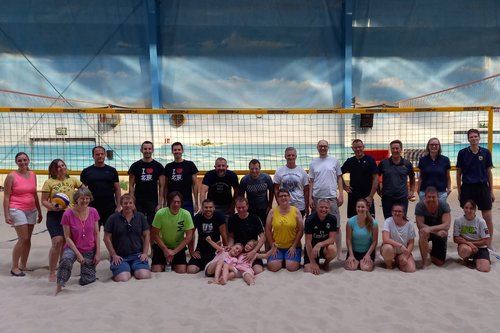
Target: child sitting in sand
{"type": "Point", "coordinates": [224, 262]}
{"type": "Point", "coordinates": [244, 265]}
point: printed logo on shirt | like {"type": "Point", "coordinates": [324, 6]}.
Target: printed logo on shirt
{"type": "Point", "coordinates": [177, 174]}
{"type": "Point", "coordinates": [207, 227]}
{"type": "Point", "coordinates": [180, 225]}
{"type": "Point", "coordinates": [147, 174]}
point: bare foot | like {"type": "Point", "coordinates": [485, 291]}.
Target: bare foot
{"type": "Point", "coordinates": [52, 277]}
{"type": "Point", "coordinates": [326, 266]}
{"type": "Point", "coordinates": [25, 269]}
{"type": "Point", "coordinates": [58, 289]}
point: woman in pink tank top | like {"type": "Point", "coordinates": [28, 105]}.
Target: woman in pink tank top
{"type": "Point", "coordinates": [22, 210]}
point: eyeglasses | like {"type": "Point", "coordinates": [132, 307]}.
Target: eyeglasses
{"type": "Point", "coordinates": [434, 144]}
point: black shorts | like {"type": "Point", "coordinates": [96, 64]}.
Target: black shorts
{"type": "Point", "coordinates": [360, 255]}
{"type": "Point", "coordinates": [439, 244]}
{"type": "Point", "coordinates": [158, 257]}
{"type": "Point", "coordinates": [203, 261]}
{"type": "Point", "coordinates": [306, 256]}
{"type": "Point", "coordinates": [479, 192]}
{"type": "Point", "coordinates": [54, 225]}
{"type": "Point", "coordinates": [482, 253]}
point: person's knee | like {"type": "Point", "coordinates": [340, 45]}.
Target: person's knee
{"type": "Point", "coordinates": [192, 269]}
{"type": "Point", "coordinates": [437, 262]}
{"type": "Point", "coordinates": [483, 265]}
{"type": "Point", "coordinates": [257, 269]}
{"type": "Point", "coordinates": [142, 274]}
{"type": "Point", "coordinates": [156, 268]}
{"type": "Point", "coordinates": [274, 266]}
{"type": "Point", "coordinates": [180, 269]}
{"type": "Point", "coordinates": [292, 266]}
{"type": "Point", "coordinates": [464, 251]}
{"type": "Point", "coordinates": [423, 236]}
{"type": "Point", "coordinates": [330, 252]}
{"type": "Point", "coordinates": [122, 277]}
{"type": "Point", "coordinates": [57, 242]}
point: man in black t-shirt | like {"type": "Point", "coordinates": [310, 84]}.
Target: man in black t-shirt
{"type": "Point", "coordinates": [102, 180]}
{"type": "Point", "coordinates": [181, 176]}
{"type": "Point", "coordinates": [243, 227]}
{"type": "Point", "coordinates": [217, 185]}
{"type": "Point", "coordinates": [320, 232]}
{"type": "Point", "coordinates": [207, 223]}
{"type": "Point", "coordinates": [363, 178]}
{"type": "Point", "coordinates": [146, 182]}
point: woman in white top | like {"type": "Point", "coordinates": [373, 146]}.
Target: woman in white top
{"type": "Point", "coordinates": [398, 240]}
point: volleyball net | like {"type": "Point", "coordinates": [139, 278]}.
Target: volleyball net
{"type": "Point", "coordinates": [237, 135]}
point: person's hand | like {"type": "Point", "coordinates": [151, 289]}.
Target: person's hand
{"type": "Point", "coordinates": [442, 233]}
{"type": "Point", "coordinates": [8, 219]}
{"type": "Point", "coordinates": [340, 199]}
{"type": "Point", "coordinates": [196, 208]}
{"type": "Point", "coordinates": [492, 196]}
{"type": "Point", "coordinates": [116, 260]}
{"type": "Point", "coordinates": [196, 255]}
{"type": "Point", "coordinates": [315, 268]}
{"type": "Point", "coordinates": [311, 205]}
{"type": "Point", "coordinates": [250, 256]}
{"type": "Point", "coordinates": [315, 250]}
{"type": "Point", "coordinates": [274, 250]}
{"type": "Point", "coordinates": [39, 217]}
{"type": "Point", "coordinates": [169, 255]}
{"type": "Point", "coordinates": [425, 230]}
{"type": "Point", "coordinates": [291, 251]}
{"type": "Point", "coordinates": [80, 258]}
{"type": "Point", "coordinates": [118, 209]}
{"type": "Point", "coordinates": [97, 258]}
{"type": "Point", "coordinates": [158, 207]}
{"type": "Point", "coordinates": [348, 189]}
{"type": "Point", "coordinates": [367, 260]}
{"type": "Point", "coordinates": [208, 238]}
{"type": "Point", "coordinates": [351, 261]}
{"type": "Point", "coordinates": [404, 250]}
{"type": "Point", "coordinates": [411, 194]}
{"type": "Point", "coordinates": [369, 199]}
{"type": "Point", "coordinates": [143, 257]}
{"type": "Point", "coordinates": [473, 247]}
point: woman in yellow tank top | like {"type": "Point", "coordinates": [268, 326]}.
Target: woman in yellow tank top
{"type": "Point", "coordinates": [284, 228]}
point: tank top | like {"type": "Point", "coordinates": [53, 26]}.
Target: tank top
{"type": "Point", "coordinates": [23, 191]}
{"type": "Point", "coordinates": [284, 228]}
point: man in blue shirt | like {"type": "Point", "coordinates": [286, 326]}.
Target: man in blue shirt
{"type": "Point", "coordinates": [475, 179]}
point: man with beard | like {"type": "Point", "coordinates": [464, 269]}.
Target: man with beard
{"type": "Point", "coordinates": [146, 182]}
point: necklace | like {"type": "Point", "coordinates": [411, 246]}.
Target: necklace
{"type": "Point", "coordinates": [83, 217]}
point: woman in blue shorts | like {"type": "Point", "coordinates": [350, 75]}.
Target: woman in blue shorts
{"type": "Point", "coordinates": [284, 228]}
{"type": "Point", "coordinates": [361, 238]}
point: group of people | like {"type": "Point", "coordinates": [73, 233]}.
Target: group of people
{"type": "Point", "coordinates": [165, 209]}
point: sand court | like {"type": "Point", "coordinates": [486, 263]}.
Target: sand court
{"type": "Point", "coordinates": [451, 298]}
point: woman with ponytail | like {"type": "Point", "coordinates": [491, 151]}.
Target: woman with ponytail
{"type": "Point", "coordinates": [361, 238]}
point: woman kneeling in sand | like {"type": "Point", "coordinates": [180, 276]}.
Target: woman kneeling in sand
{"type": "Point", "coordinates": [81, 232]}
{"type": "Point", "coordinates": [471, 234]}
{"type": "Point", "coordinates": [361, 239]}
{"type": "Point", "coordinates": [398, 239]}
